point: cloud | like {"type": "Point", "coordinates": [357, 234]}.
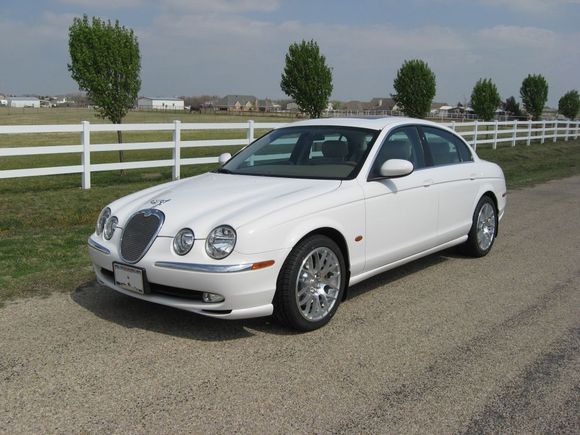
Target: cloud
{"type": "Point", "coordinates": [531, 6]}
{"type": "Point", "coordinates": [105, 4]}
{"type": "Point", "coordinates": [222, 6]}
{"type": "Point", "coordinates": [531, 37]}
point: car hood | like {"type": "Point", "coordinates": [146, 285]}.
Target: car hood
{"type": "Point", "coordinates": [205, 201]}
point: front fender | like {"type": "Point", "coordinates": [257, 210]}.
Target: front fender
{"type": "Point", "coordinates": [348, 219]}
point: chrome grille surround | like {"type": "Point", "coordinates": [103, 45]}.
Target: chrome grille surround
{"type": "Point", "coordinates": [139, 234]}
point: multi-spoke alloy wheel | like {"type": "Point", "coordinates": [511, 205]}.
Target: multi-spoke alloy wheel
{"type": "Point", "coordinates": [485, 226]}
{"type": "Point", "coordinates": [311, 284]}
{"type": "Point", "coordinates": [318, 284]}
{"type": "Point", "coordinates": [483, 229]}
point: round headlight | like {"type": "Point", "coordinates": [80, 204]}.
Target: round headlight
{"type": "Point", "coordinates": [183, 241]}
{"type": "Point", "coordinates": [110, 226]}
{"type": "Point", "coordinates": [220, 242]}
{"type": "Point", "coordinates": [103, 216]}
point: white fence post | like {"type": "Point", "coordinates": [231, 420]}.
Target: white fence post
{"type": "Point", "coordinates": [529, 140]}
{"type": "Point", "coordinates": [543, 131]}
{"type": "Point", "coordinates": [567, 131]}
{"type": "Point", "coordinates": [176, 174]}
{"type": "Point", "coordinates": [86, 159]}
{"type": "Point", "coordinates": [496, 128]}
{"type": "Point", "coordinates": [577, 129]}
{"type": "Point", "coordinates": [515, 133]}
{"type": "Point", "coordinates": [475, 134]}
{"type": "Point", "coordinates": [453, 125]}
{"type": "Point", "coordinates": [250, 131]}
{"type": "Point", "coordinates": [555, 131]}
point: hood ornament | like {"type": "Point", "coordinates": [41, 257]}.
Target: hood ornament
{"type": "Point", "coordinates": [158, 202]}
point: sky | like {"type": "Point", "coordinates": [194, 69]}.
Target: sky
{"type": "Point", "coordinates": [219, 47]}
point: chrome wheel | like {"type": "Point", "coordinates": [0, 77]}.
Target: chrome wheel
{"type": "Point", "coordinates": [318, 284]}
{"type": "Point", "coordinates": [486, 226]}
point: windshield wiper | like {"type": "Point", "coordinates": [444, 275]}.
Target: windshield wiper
{"type": "Point", "coordinates": [223, 171]}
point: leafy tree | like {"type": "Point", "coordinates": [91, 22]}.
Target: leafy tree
{"type": "Point", "coordinates": [569, 104]}
{"type": "Point", "coordinates": [534, 94]}
{"type": "Point", "coordinates": [105, 62]}
{"type": "Point", "coordinates": [512, 107]}
{"type": "Point", "coordinates": [306, 78]}
{"type": "Point", "coordinates": [415, 88]}
{"type": "Point", "coordinates": [485, 99]}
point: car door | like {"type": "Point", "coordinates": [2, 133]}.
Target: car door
{"type": "Point", "coordinates": [454, 176]}
{"type": "Point", "coordinates": [401, 213]}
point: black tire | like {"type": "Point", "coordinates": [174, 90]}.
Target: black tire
{"type": "Point", "coordinates": [287, 308]}
{"type": "Point", "coordinates": [478, 246]}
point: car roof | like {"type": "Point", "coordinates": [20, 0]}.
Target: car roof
{"type": "Point", "coordinates": [369, 123]}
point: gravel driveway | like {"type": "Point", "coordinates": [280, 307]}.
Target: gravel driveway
{"type": "Point", "coordinates": [446, 344]}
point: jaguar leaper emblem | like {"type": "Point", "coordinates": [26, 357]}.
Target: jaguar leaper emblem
{"type": "Point", "coordinates": [158, 202]}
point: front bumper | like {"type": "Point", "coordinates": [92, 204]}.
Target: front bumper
{"type": "Point", "coordinates": [247, 293]}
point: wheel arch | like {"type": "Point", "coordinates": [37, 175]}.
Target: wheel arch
{"type": "Point", "coordinates": [337, 237]}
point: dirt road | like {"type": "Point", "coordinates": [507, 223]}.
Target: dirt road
{"type": "Point", "coordinates": [446, 344]}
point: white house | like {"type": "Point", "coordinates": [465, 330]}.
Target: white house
{"type": "Point", "coordinates": [148, 103]}
{"type": "Point", "coordinates": [23, 102]}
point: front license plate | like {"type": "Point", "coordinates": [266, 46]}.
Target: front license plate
{"type": "Point", "coordinates": [129, 278]}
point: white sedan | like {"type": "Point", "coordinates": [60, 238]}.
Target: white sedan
{"type": "Point", "coordinates": [288, 223]}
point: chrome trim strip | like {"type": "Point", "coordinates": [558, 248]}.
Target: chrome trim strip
{"type": "Point", "coordinates": [98, 247]}
{"type": "Point", "coordinates": [207, 268]}
{"type": "Point", "coordinates": [149, 211]}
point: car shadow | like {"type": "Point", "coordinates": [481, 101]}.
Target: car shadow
{"type": "Point", "coordinates": [400, 272]}
{"type": "Point", "coordinates": [129, 312]}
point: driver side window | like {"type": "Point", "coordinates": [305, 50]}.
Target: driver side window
{"type": "Point", "coordinates": [403, 143]}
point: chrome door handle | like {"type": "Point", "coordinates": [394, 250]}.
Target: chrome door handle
{"type": "Point", "coordinates": [427, 183]}
{"type": "Point", "coordinates": [472, 176]}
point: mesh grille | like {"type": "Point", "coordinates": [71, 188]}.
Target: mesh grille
{"type": "Point", "coordinates": [139, 234]}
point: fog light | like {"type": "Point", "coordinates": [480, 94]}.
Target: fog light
{"type": "Point", "coordinates": [211, 298]}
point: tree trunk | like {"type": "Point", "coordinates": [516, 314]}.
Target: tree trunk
{"type": "Point", "coordinates": [121, 152]}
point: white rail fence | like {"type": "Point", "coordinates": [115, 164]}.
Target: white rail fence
{"type": "Point", "coordinates": [476, 133]}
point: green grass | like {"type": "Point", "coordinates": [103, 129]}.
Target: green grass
{"type": "Point", "coordinates": [45, 221]}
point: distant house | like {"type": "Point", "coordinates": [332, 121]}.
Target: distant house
{"type": "Point", "coordinates": [292, 107]}
{"type": "Point", "coordinates": [441, 109]}
{"type": "Point", "coordinates": [354, 106]}
{"type": "Point", "coordinates": [159, 103]}
{"type": "Point", "coordinates": [381, 103]}
{"type": "Point", "coordinates": [23, 102]}
{"type": "Point", "coordinates": [238, 103]}
{"type": "Point", "coordinates": [266, 105]}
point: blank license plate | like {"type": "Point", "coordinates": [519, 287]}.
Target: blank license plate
{"type": "Point", "coordinates": [129, 278]}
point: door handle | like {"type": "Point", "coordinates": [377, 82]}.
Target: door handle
{"type": "Point", "coordinates": [427, 183]}
{"type": "Point", "coordinates": [472, 176]}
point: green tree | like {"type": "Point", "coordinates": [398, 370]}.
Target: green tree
{"type": "Point", "coordinates": [512, 107]}
{"type": "Point", "coordinates": [569, 104]}
{"type": "Point", "coordinates": [485, 99]}
{"type": "Point", "coordinates": [534, 94]}
{"type": "Point", "coordinates": [105, 63]}
{"type": "Point", "coordinates": [414, 88]}
{"type": "Point", "coordinates": [306, 78]}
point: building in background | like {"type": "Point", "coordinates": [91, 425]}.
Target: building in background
{"type": "Point", "coordinates": [23, 102]}
{"type": "Point", "coordinates": [237, 103]}
{"type": "Point", "coordinates": [147, 103]}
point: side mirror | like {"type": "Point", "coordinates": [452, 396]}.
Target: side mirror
{"type": "Point", "coordinates": [396, 168]}
{"type": "Point", "coordinates": [223, 158]}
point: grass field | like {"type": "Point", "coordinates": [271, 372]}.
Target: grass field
{"type": "Point", "coordinates": [45, 221]}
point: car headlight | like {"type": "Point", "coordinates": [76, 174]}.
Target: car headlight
{"type": "Point", "coordinates": [110, 226]}
{"type": "Point", "coordinates": [103, 216]}
{"type": "Point", "coordinates": [183, 241]}
{"type": "Point", "coordinates": [220, 242]}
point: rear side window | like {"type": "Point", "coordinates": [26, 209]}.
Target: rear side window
{"type": "Point", "coordinates": [445, 147]}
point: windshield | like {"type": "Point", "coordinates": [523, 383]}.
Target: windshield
{"type": "Point", "coordinates": [329, 152]}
